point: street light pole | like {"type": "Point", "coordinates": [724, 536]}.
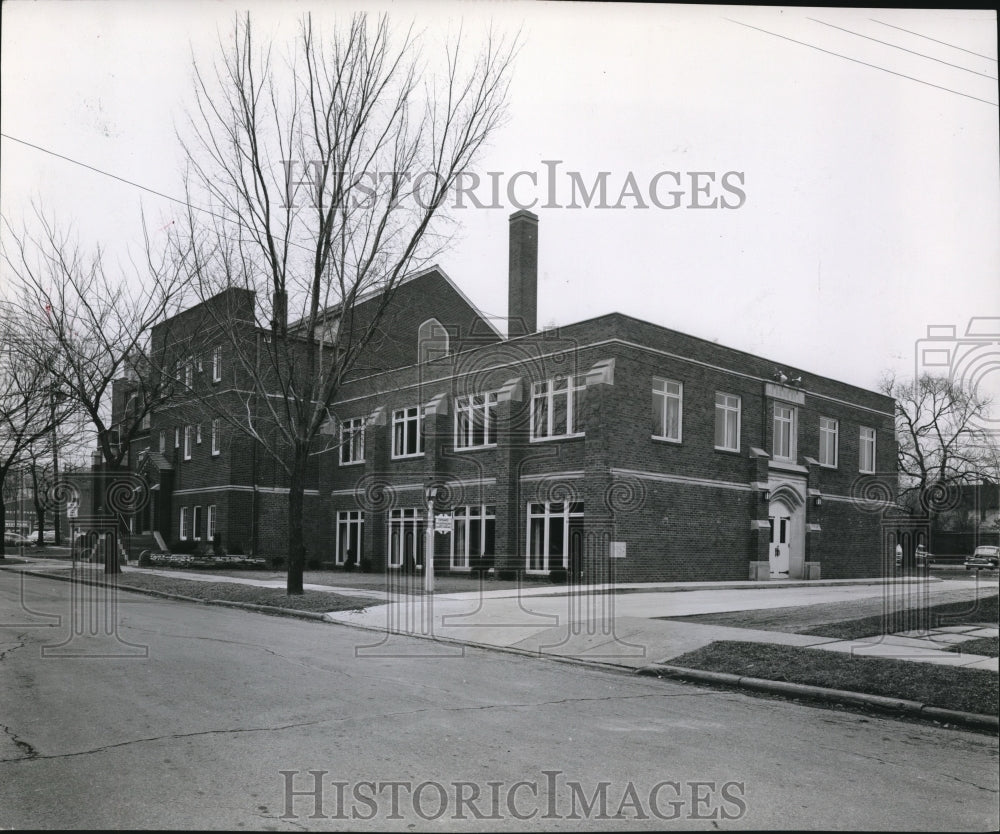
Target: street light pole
{"type": "Point", "coordinates": [429, 545]}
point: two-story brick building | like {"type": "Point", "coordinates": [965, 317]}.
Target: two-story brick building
{"type": "Point", "coordinates": [609, 441]}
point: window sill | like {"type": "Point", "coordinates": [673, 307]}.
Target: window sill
{"type": "Point", "coordinates": [726, 451]}
{"type": "Point", "coordinates": [484, 448]}
{"type": "Point", "coordinates": [407, 457]}
{"type": "Point", "coordinates": [557, 437]}
{"type": "Point", "coordinates": [831, 466]}
{"type": "Point", "coordinates": [354, 462]}
{"type": "Point", "coordinates": [670, 440]}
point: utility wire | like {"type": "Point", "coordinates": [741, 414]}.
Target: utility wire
{"type": "Point", "coordinates": [863, 63]}
{"type": "Point", "coordinates": [903, 48]}
{"type": "Point", "coordinates": [133, 184]}
{"type": "Point", "coordinates": [925, 37]}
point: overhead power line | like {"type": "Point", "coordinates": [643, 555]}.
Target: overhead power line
{"type": "Point", "coordinates": [925, 37]}
{"type": "Point", "coordinates": [903, 48]}
{"type": "Point", "coordinates": [864, 63]}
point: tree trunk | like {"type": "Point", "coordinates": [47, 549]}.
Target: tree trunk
{"type": "Point", "coordinates": [3, 526]}
{"type": "Point", "coordinates": [296, 545]}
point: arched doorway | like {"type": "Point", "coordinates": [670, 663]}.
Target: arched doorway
{"type": "Point", "coordinates": [786, 518]}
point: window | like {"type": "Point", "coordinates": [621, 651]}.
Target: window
{"type": "Point", "coordinates": [727, 422]}
{"type": "Point", "coordinates": [867, 461]}
{"type": "Point", "coordinates": [352, 441]}
{"type": "Point", "coordinates": [215, 436]}
{"type": "Point", "coordinates": [667, 400]}
{"type": "Point", "coordinates": [828, 441]}
{"type": "Point", "coordinates": [189, 373]}
{"type": "Point", "coordinates": [784, 433]}
{"type": "Point", "coordinates": [197, 434]}
{"type": "Point", "coordinates": [556, 408]}
{"type": "Point", "coordinates": [350, 529]}
{"type": "Point", "coordinates": [196, 524]}
{"type": "Point", "coordinates": [475, 421]}
{"type": "Point", "coordinates": [555, 535]}
{"type": "Point", "coordinates": [146, 420]}
{"type": "Point", "coordinates": [406, 538]}
{"type": "Point", "coordinates": [179, 371]}
{"type": "Point", "coordinates": [163, 442]}
{"type": "Point", "coordinates": [407, 439]}
{"type": "Point", "coordinates": [183, 532]}
{"type": "Point", "coordinates": [474, 535]}
{"type": "Point", "coordinates": [217, 364]}
{"type": "Point", "coordinates": [210, 523]}
{"type": "Point", "coordinates": [177, 438]}
{"type": "Point", "coordinates": [432, 341]}
{"type": "Point", "coordinates": [187, 443]}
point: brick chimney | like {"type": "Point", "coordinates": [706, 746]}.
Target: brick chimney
{"type": "Point", "coordinates": [522, 299]}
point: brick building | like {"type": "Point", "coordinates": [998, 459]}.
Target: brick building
{"type": "Point", "coordinates": [611, 441]}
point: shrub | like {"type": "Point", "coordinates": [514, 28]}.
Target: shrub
{"type": "Point", "coordinates": [507, 574]}
{"type": "Point", "coordinates": [313, 563]}
{"type": "Point", "coordinates": [557, 576]}
{"type": "Point", "coordinates": [349, 565]}
{"type": "Point", "coordinates": [366, 564]}
{"type": "Point", "coordinates": [186, 546]}
{"type": "Point", "coordinates": [145, 559]}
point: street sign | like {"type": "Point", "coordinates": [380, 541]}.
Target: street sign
{"type": "Point", "coordinates": [444, 523]}
{"type": "Point", "coordinates": [72, 509]}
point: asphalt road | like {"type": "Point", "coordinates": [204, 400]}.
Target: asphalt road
{"type": "Point", "coordinates": [151, 714]}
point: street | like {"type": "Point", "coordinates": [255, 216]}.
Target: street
{"type": "Point", "coordinates": [136, 712]}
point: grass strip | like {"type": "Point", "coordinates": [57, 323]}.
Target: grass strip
{"type": "Point", "coordinates": [315, 601]}
{"type": "Point", "coordinates": [967, 690]}
{"type": "Point", "coordinates": [983, 610]}
{"type": "Point", "coordinates": [986, 646]}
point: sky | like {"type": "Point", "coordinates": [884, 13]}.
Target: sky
{"type": "Point", "coordinates": [860, 149]}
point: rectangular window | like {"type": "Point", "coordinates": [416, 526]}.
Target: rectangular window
{"type": "Point", "coordinates": [196, 524]}
{"type": "Point", "coordinates": [350, 533]}
{"type": "Point", "coordinates": [163, 442]}
{"type": "Point", "coordinates": [727, 422]}
{"type": "Point", "coordinates": [197, 434]}
{"type": "Point", "coordinates": [476, 421]}
{"type": "Point", "coordinates": [555, 535]}
{"type": "Point", "coordinates": [407, 438]}
{"type": "Point", "coordinates": [210, 523]}
{"type": "Point", "coordinates": [215, 436]}
{"type": "Point", "coordinates": [557, 408]}
{"type": "Point", "coordinates": [406, 538]}
{"type": "Point", "coordinates": [829, 432]}
{"type": "Point", "coordinates": [474, 535]}
{"type": "Point", "coordinates": [867, 458]}
{"type": "Point", "coordinates": [217, 364]}
{"type": "Point", "coordinates": [352, 441]}
{"type": "Point", "coordinates": [189, 373]}
{"type": "Point", "coordinates": [146, 420]}
{"type": "Point", "coordinates": [667, 405]}
{"type": "Point", "coordinates": [177, 437]}
{"type": "Point", "coordinates": [187, 443]}
{"type": "Point", "coordinates": [784, 433]}
{"type": "Point", "coordinates": [183, 532]}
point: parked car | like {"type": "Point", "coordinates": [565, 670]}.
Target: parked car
{"type": "Point", "coordinates": [984, 556]}
{"type": "Point", "coordinates": [47, 536]}
{"type": "Point", "coordinates": [12, 539]}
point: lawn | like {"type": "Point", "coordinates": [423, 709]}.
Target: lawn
{"type": "Point", "coordinates": [970, 690]}
{"type": "Point", "coordinates": [983, 610]}
{"type": "Point", "coordinates": [315, 601]}
{"type": "Point", "coordinates": [986, 646]}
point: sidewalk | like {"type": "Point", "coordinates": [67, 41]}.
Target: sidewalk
{"type": "Point", "coordinates": [628, 628]}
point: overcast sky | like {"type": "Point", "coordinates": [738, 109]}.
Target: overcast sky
{"type": "Point", "coordinates": [866, 192]}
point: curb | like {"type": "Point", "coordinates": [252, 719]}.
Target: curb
{"type": "Point", "coordinates": [880, 703]}
{"type": "Point", "coordinates": [249, 606]}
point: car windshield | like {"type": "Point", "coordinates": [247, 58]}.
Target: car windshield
{"type": "Point", "coordinates": [988, 550]}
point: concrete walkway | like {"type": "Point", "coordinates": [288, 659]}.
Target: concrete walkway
{"type": "Point", "coordinates": [628, 627]}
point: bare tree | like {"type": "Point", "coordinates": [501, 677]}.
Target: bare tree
{"type": "Point", "coordinates": [28, 412]}
{"type": "Point", "coordinates": [319, 177]}
{"type": "Point", "coordinates": [943, 439]}
{"type": "Point", "coordinates": [89, 325]}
